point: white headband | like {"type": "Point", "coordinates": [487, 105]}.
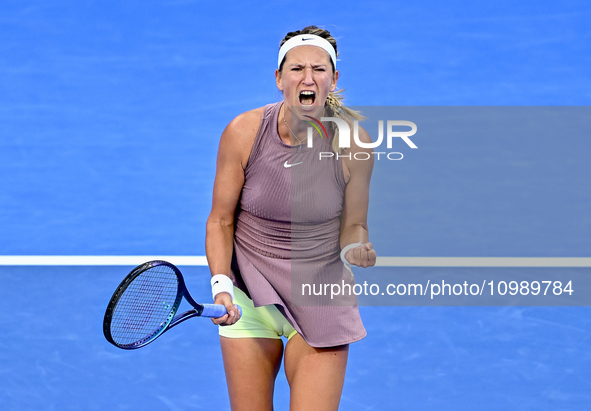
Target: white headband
{"type": "Point", "coordinates": [307, 40]}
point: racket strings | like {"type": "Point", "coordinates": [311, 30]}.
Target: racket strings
{"type": "Point", "coordinates": [148, 303]}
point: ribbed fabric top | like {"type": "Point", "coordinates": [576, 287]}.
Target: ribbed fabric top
{"type": "Point", "coordinates": [287, 235]}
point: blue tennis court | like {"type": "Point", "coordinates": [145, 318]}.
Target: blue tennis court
{"type": "Point", "coordinates": [110, 118]}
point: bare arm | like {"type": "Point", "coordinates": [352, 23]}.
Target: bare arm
{"type": "Point", "coordinates": [354, 217]}
{"type": "Point", "coordinates": [235, 146]}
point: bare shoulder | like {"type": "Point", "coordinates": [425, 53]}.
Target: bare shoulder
{"type": "Point", "coordinates": [358, 160]}
{"type": "Point", "coordinates": [363, 137]}
{"type": "Point", "coordinates": [247, 122]}
{"type": "Point", "coordinates": [238, 137]}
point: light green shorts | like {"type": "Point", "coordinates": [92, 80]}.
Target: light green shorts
{"type": "Point", "coordinates": [257, 322]}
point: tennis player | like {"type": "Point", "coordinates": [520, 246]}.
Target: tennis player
{"type": "Point", "coordinates": [282, 217]}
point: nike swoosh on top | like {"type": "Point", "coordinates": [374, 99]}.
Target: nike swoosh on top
{"type": "Point", "coordinates": [291, 165]}
{"type": "Point", "coordinates": [311, 38]}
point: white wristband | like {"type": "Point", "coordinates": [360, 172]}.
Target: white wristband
{"type": "Point", "coordinates": [347, 248]}
{"type": "Point", "coordinates": [221, 283]}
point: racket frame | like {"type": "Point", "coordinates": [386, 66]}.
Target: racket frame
{"type": "Point", "coordinates": [173, 318]}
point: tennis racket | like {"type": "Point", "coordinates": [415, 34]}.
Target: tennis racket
{"type": "Point", "coordinates": [145, 304]}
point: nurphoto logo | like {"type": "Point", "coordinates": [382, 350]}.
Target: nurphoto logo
{"type": "Point", "coordinates": [345, 138]}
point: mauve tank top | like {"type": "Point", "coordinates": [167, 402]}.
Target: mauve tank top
{"type": "Point", "coordinates": [286, 241]}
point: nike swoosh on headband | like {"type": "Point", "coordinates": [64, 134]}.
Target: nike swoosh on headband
{"type": "Point", "coordinates": [291, 165]}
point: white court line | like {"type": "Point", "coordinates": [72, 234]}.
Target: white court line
{"type": "Point", "coordinates": [483, 262]}
{"type": "Point", "coordinates": [114, 260]}
{"type": "Point", "coordinates": [133, 260]}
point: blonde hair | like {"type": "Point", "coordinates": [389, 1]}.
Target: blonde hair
{"type": "Point", "coordinates": [334, 101]}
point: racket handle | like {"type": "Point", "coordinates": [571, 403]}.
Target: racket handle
{"type": "Point", "coordinates": [216, 310]}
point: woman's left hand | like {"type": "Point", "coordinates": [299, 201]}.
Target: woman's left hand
{"type": "Point", "coordinates": [362, 256]}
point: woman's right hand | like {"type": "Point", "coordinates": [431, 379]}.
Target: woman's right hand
{"type": "Point", "coordinates": [233, 314]}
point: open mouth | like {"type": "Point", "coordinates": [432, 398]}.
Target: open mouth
{"type": "Point", "coordinates": [307, 98]}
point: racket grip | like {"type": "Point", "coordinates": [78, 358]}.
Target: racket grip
{"type": "Point", "coordinates": [216, 310]}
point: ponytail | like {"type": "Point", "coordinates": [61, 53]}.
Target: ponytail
{"type": "Point", "coordinates": [336, 108]}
